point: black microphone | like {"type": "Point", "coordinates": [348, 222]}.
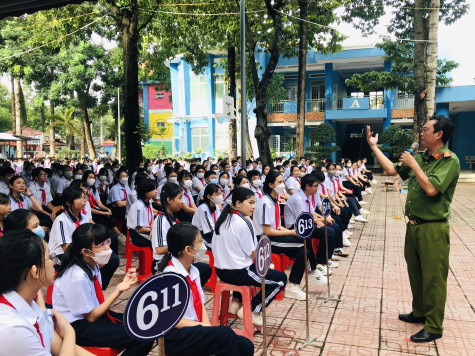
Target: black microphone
{"type": "Point", "coordinates": [411, 150]}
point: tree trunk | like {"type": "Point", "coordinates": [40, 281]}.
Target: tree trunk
{"type": "Point", "coordinates": [232, 92]}
{"type": "Point", "coordinates": [42, 117]}
{"type": "Point", "coordinates": [248, 138]}
{"type": "Point", "coordinates": [19, 147]}
{"type": "Point", "coordinates": [52, 138]}
{"type": "Point", "coordinates": [81, 138]}
{"type": "Point", "coordinates": [23, 107]}
{"type": "Point", "coordinates": [87, 129]}
{"type": "Point", "coordinates": [300, 134]}
{"type": "Point", "coordinates": [431, 66]}
{"type": "Point", "coordinates": [13, 106]}
{"type": "Point", "coordinates": [420, 47]}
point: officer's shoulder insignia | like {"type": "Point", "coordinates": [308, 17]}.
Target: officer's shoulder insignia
{"type": "Point", "coordinates": [447, 154]}
{"type": "Point", "coordinates": [437, 155]}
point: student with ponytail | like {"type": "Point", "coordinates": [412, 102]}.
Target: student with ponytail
{"type": "Point", "coordinates": [140, 216]}
{"type": "Point", "coordinates": [193, 335]}
{"type": "Point", "coordinates": [208, 213]}
{"type": "Point", "coordinates": [234, 247]}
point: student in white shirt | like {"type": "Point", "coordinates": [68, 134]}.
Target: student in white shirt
{"type": "Point", "coordinates": [224, 184]}
{"type": "Point", "coordinates": [132, 197]}
{"type": "Point", "coordinates": [117, 199]}
{"type": "Point", "coordinates": [234, 247]}
{"type": "Point", "coordinates": [25, 328]}
{"type": "Point", "coordinates": [265, 172]}
{"type": "Point", "coordinates": [21, 197]}
{"type": "Point", "coordinates": [140, 217]}
{"type": "Point", "coordinates": [42, 192]}
{"type": "Point", "coordinates": [199, 182]}
{"type": "Point", "coordinates": [255, 182]}
{"type": "Point", "coordinates": [347, 195]}
{"type": "Point", "coordinates": [102, 185]}
{"type": "Point", "coordinates": [293, 182]}
{"type": "Point", "coordinates": [210, 178]}
{"type": "Point", "coordinates": [189, 206]}
{"type": "Point", "coordinates": [238, 181]}
{"type": "Point", "coordinates": [350, 183]}
{"type": "Point", "coordinates": [267, 221]}
{"type": "Point", "coordinates": [194, 335]}
{"type": "Point", "coordinates": [170, 177]}
{"type": "Point", "coordinates": [65, 180]}
{"type": "Point", "coordinates": [208, 212]}
{"type": "Point", "coordinates": [6, 173]}
{"type": "Point", "coordinates": [5, 210]}
{"type": "Point", "coordinates": [27, 173]}
{"type": "Point", "coordinates": [77, 293]}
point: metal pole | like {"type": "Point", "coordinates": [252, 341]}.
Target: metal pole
{"type": "Point", "coordinates": [118, 124]}
{"type": "Point", "coordinates": [264, 326]}
{"type": "Point", "coordinates": [329, 296]}
{"type": "Point", "coordinates": [243, 83]}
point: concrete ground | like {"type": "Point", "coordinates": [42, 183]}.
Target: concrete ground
{"type": "Point", "coordinates": [374, 288]}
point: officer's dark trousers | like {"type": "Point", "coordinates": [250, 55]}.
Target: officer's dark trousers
{"type": "Point", "coordinates": [426, 252]}
{"type": "Point", "coordinates": [293, 247]}
{"type": "Point", "coordinates": [356, 189]}
{"type": "Point", "coordinates": [207, 340]}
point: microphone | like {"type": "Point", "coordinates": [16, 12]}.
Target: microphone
{"type": "Point", "coordinates": [411, 150]}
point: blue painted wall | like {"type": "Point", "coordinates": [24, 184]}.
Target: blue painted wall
{"type": "Point", "coordinates": [461, 142]}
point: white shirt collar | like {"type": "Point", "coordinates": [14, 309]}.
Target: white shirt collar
{"type": "Point", "coordinates": [194, 273]}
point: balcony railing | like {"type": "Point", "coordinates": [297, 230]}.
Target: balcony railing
{"type": "Point", "coordinates": [349, 102]}
{"type": "Point", "coordinates": [404, 102]}
{"type": "Point", "coordinates": [290, 106]}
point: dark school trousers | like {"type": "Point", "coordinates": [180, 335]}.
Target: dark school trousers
{"type": "Point", "coordinates": [107, 271]}
{"type": "Point", "coordinates": [117, 211]}
{"type": "Point", "coordinates": [107, 221]}
{"type": "Point", "coordinates": [139, 240]}
{"type": "Point", "coordinates": [338, 230]}
{"type": "Point", "coordinates": [345, 217]}
{"type": "Point", "coordinates": [44, 219]}
{"type": "Point", "coordinates": [356, 189]}
{"type": "Point", "coordinates": [369, 175]}
{"type": "Point", "coordinates": [354, 205]}
{"type": "Point", "coordinates": [321, 254]}
{"type": "Point", "coordinates": [293, 247]}
{"type": "Point", "coordinates": [365, 184]}
{"type": "Point", "coordinates": [275, 281]}
{"type": "Point", "coordinates": [104, 333]}
{"type": "Point", "coordinates": [207, 340]}
{"type": "Point", "coordinates": [426, 251]}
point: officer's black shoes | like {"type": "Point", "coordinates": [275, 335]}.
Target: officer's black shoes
{"type": "Point", "coordinates": [410, 318]}
{"type": "Point", "coordinates": [425, 336]}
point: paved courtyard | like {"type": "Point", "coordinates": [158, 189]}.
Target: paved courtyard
{"type": "Point", "coordinates": [373, 286]}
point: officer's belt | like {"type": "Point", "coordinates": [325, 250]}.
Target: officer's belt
{"type": "Point", "coordinates": [418, 221]}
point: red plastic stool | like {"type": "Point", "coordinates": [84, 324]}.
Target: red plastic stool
{"type": "Point", "coordinates": [221, 296]}
{"type": "Point", "coordinates": [280, 264]}
{"type": "Point", "coordinates": [103, 351]}
{"type": "Point", "coordinates": [127, 241]}
{"type": "Point", "coordinates": [119, 223]}
{"type": "Point", "coordinates": [145, 261]}
{"type": "Point", "coordinates": [212, 280]}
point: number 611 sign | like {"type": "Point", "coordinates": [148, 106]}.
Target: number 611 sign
{"type": "Point", "coordinates": [156, 306]}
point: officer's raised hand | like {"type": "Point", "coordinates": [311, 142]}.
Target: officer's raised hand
{"type": "Point", "coordinates": [372, 141]}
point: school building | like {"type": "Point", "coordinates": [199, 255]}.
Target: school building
{"type": "Point", "coordinates": [200, 123]}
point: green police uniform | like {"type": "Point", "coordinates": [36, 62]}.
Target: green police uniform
{"type": "Point", "coordinates": [427, 242]}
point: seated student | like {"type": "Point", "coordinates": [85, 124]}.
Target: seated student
{"type": "Point", "coordinates": [5, 210]}
{"type": "Point", "coordinates": [347, 195]}
{"type": "Point", "coordinates": [25, 328]}
{"type": "Point", "coordinates": [199, 182]}
{"type": "Point", "coordinates": [102, 185]}
{"type": "Point", "coordinates": [42, 193]}
{"type": "Point", "coordinates": [210, 178]}
{"type": "Point", "coordinates": [77, 293]}
{"type": "Point", "coordinates": [140, 217]}
{"type": "Point", "coordinates": [224, 184]}
{"type": "Point", "coordinates": [194, 335]}
{"type": "Point", "coordinates": [363, 180]}
{"type": "Point", "coordinates": [307, 199]}
{"type": "Point", "coordinates": [6, 173]}
{"type": "Point", "coordinates": [267, 221]}
{"type": "Point", "coordinates": [78, 172]}
{"type": "Point", "coordinates": [27, 172]}
{"type": "Point", "coordinates": [255, 182]}
{"type": "Point", "coordinates": [21, 197]}
{"type": "Point", "coordinates": [351, 184]}
{"type": "Point", "coordinates": [208, 212]}
{"type": "Point", "coordinates": [265, 172]}
{"type": "Point", "coordinates": [23, 219]}
{"type": "Point", "coordinates": [234, 248]}
{"type": "Point", "coordinates": [189, 206]}
{"type": "Point", "coordinates": [238, 181]}
{"type": "Point", "coordinates": [293, 182]}
{"type": "Point", "coordinates": [132, 197]}
{"type": "Point", "coordinates": [117, 199]}
{"type": "Point", "coordinates": [65, 180]}
{"type": "Point", "coordinates": [170, 176]}
{"type": "Point", "coordinates": [365, 171]}
{"type": "Point", "coordinates": [171, 198]}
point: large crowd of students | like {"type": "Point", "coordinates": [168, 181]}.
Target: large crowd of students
{"type": "Point", "coordinates": [62, 223]}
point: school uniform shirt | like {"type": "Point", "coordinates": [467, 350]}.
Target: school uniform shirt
{"type": "Point", "coordinates": [18, 333]}
{"type": "Point", "coordinates": [23, 203]}
{"type": "Point", "coordinates": [257, 192]}
{"type": "Point", "coordinates": [74, 294]}
{"type": "Point", "coordinates": [233, 246]}
{"type": "Point", "coordinates": [297, 204]}
{"type": "Point", "coordinates": [93, 197]}
{"type": "Point", "coordinates": [140, 215]}
{"type": "Point", "coordinates": [103, 189]}
{"type": "Point", "coordinates": [54, 182]}
{"type": "Point", "coordinates": [187, 197]}
{"type": "Point", "coordinates": [353, 173]}
{"type": "Point", "coordinates": [156, 169]}
{"type": "Point", "coordinates": [87, 212]}
{"type": "Point", "coordinates": [117, 193]}
{"type": "Point", "coordinates": [309, 169]}
{"type": "Point", "coordinates": [63, 184]}
{"type": "Point", "coordinates": [224, 190]}
{"type": "Point", "coordinates": [194, 275]}
{"type": "Point", "coordinates": [42, 195]}
{"type": "Point", "coordinates": [161, 225]}
{"type": "Point", "coordinates": [62, 231]}
{"type": "Point", "coordinates": [344, 174]}
{"type": "Point", "coordinates": [4, 188]}
{"type": "Point", "coordinates": [292, 183]}
{"type": "Point", "coordinates": [131, 199]}
{"type": "Point", "coordinates": [205, 218]}
{"type": "Point", "coordinates": [28, 179]}
{"type": "Point", "coordinates": [197, 182]}
{"type": "Point", "coordinates": [267, 212]}
{"type": "Point", "coordinates": [286, 173]}
{"type": "Point", "coordinates": [333, 186]}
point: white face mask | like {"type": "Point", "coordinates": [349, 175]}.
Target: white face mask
{"type": "Point", "coordinates": [149, 169]}
{"type": "Point", "coordinates": [338, 173]}
{"type": "Point", "coordinates": [200, 253]}
{"type": "Point", "coordinates": [257, 183]}
{"type": "Point", "coordinates": [78, 176]}
{"type": "Point", "coordinates": [348, 165]}
{"type": "Point", "coordinates": [216, 171]}
{"type": "Point", "coordinates": [115, 170]}
{"type": "Point", "coordinates": [200, 175]}
{"type": "Point", "coordinates": [90, 182]}
{"type": "Point", "coordinates": [188, 183]}
{"type": "Point", "coordinates": [302, 174]}
{"type": "Point", "coordinates": [173, 180]}
{"type": "Point", "coordinates": [103, 257]}
{"type": "Point", "coordinates": [102, 178]}
{"type": "Point", "coordinates": [245, 185]}
{"type": "Point", "coordinates": [124, 181]}
{"type": "Point", "coordinates": [218, 199]}
{"type": "Point", "coordinates": [223, 181]}
{"type": "Point", "coordinates": [279, 189]}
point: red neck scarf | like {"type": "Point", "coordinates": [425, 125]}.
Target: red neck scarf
{"type": "Point", "coordinates": [100, 299]}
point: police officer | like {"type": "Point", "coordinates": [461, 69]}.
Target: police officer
{"type": "Point", "coordinates": [432, 176]}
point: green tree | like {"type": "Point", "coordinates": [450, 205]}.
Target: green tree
{"type": "Point", "coordinates": [320, 137]}
{"type": "Point", "coordinates": [395, 140]}
{"type": "Point", "coordinates": [71, 125]}
{"type": "Point", "coordinates": [5, 109]}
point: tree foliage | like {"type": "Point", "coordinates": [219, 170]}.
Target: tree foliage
{"type": "Point", "coordinates": [321, 136]}
{"type": "Point", "coordinates": [395, 140]}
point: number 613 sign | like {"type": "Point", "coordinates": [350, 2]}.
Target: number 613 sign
{"type": "Point", "coordinates": [304, 225]}
{"type": "Point", "coordinates": [156, 306]}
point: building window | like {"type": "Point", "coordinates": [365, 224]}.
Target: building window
{"type": "Point", "coordinates": [357, 94]}
{"type": "Point", "coordinates": [292, 90]}
{"type": "Point", "coordinates": [376, 100]}
{"type": "Point", "coordinates": [220, 90]}
{"type": "Point", "coordinates": [199, 88]}
{"type": "Point", "coordinates": [199, 138]}
{"type": "Point", "coordinates": [221, 136]}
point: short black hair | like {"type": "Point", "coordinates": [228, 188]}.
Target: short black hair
{"type": "Point", "coordinates": [443, 124]}
{"type": "Point", "coordinates": [309, 179]}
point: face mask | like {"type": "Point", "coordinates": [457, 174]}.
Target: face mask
{"type": "Point", "coordinates": [114, 170]}
{"type": "Point", "coordinates": [28, 172]}
{"type": "Point", "coordinates": [213, 181]}
{"type": "Point", "coordinates": [331, 173]}
{"type": "Point", "coordinates": [68, 174]}
{"type": "Point", "coordinates": [90, 182]}
{"type": "Point", "coordinates": [216, 171]}
{"type": "Point", "coordinates": [188, 183]}
{"type": "Point", "coordinates": [102, 178]}
{"type": "Point", "coordinates": [40, 232]}
{"type": "Point", "coordinates": [348, 165]}
{"type": "Point", "coordinates": [200, 253]}
{"type": "Point", "coordinates": [326, 174]}
{"type": "Point", "coordinates": [218, 199]}
{"type": "Point", "coordinates": [257, 183]}
{"type": "Point", "coordinates": [149, 169]}
{"type": "Point", "coordinates": [246, 185]}
{"type": "Point", "coordinates": [200, 175]}
{"type": "Point", "coordinates": [302, 174]}
{"type": "Point", "coordinates": [223, 181]}
{"type": "Point", "coordinates": [103, 257]}
{"type": "Point", "coordinates": [78, 176]}
{"type": "Point", "coordinates": [338, 173]}
{"type": "Point", "coordinates": [279, 189]}
{"type": "Point", "coordinates": [173, 180]}
{"type": "Point", "coordinates": [124, 181]}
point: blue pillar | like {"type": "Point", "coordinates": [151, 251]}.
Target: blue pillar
{"type": "Point", "coordinates": [328, 86]}
{"type": "Point", "coordinates": [211, 136]}
{"type": "Point", "coordinates": [145, 104]}
{"type": "Point", "coordinates": [188, 147]}
{"type": "Point", "coordinates": [442, 109]}
{"type": "Point", "coordinates": [388, 96]}
{"type": "Point", "coordinates": [187, 83]}
{"type": "Point", "coordinates": [176, 137]}
{"type": "Point", "coordinates": [210, 84]}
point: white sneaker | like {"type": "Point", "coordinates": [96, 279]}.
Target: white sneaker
{"type": "Point", "coordinates": [340, 252]}
{"type": "Point", "coordinates": [362, 202]}
{"type": "Point", "coordinates": [351, 226]}
{"type": "Point", "coordinates": [347, 233]}
{"type": "Point", "coordinates": [271, 266]}
{"type": "Point", "coordinates": [369, 190]}
{"type": "Point", "coordinates": [361, 219]}
{"type": "Point", "coordinates": [364, 211]}
{"type": "Point", "coordinates": [364, 193]}
{"type": "Point", "coordinates": [374, 181]}
{"type": "Point", "coordinates": [317, 277]}
{"type": "Point", "coordinates": [234, 307]}
{"type": "Point", "coordinates": [256, 318]}
{"type": "Point", "coordinates": [333, 264]}
{"type": "Point", "coordinates": [293, 291]}
{"type": "Point", "coordinates": [323, 270]}
{"type": "Point", "coordinates": [122, 239]}
{"type": "Point", "coordinates": [346, 242]}
{"type": "Point", "coordinates": [335, 258]}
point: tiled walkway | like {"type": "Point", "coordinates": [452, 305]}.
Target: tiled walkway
{"type": "Point", "coordinates": [373, 286]}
